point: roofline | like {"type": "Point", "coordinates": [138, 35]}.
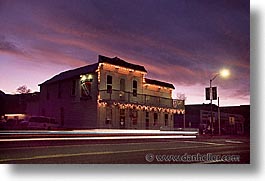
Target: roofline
{"type": "Point", "coordinates": [50, 81]}
{"type": "Point", "coordinates": [168, 85]}
{"type": "Point", "coordinates": [120, 62]}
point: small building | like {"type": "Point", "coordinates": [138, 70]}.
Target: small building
{"type": "Point", "coordinates": [243, 110]}
{"type": "Point", "coordinates": [18, 106]}
{"type": "Point", "coordinates": [199, 116]}
{"type": "Point", "coordinates": [111, 93]}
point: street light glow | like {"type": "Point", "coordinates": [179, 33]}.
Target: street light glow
{"type": "Point", "coordinates": [225, 73]}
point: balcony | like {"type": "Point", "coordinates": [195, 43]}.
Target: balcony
{"type": "Point", "coordinates": [142, 99]}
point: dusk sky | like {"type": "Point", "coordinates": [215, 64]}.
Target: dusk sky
{"type": "Point", "coordinates": [184, 42]}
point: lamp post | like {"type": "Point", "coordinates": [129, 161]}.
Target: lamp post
{"type": "Point", "coordinates": [219, 117]}
{"type": "Point", "coordinates": [211, 103]}
{"type": "Point", "coordinates": [224, 73]}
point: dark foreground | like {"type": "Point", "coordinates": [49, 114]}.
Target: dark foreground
{"type": "Point", "coordinates": [221, 150]}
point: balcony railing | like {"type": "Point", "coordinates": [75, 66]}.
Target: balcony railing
{"type": "Point", "coordinates": [144, 99]}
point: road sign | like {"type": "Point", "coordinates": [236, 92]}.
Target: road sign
{"type": "Point", "coordinates": [214, 93]}
{"type": "Point", "coordinates": [207, 93]}
{"type": "Point", "coordinates": [211, 93]}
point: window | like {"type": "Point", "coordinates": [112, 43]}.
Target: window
{"type": "Point", "coordinates": [109, 84]}
{"type": "Point", "coordinates": [135, 88]}
{"type": "Point", "coordinates": [86, 84]}
{"type": "Point", "coordinates": [166, 119]}
{"type": "Point", "coordinates": [73, 88]}
{"type": "Point", "coordinates": [155, 119]}
{"type": "Point", "coordinates": [122, 84]}
{"type": "Point", "coordinates": [86, 89]}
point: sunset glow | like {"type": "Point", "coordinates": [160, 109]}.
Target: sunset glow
{"type": "Point", "coordinates": [180, 42]}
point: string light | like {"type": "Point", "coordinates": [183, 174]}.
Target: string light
{"type": "Point", "coordinates": [155, 86]}
{"type": "Point", "coordinates": [142, 107]}
{"type": "Point", "coordinates": [122, 68]}
{"type": "Point", "coordinates": [98, 71]}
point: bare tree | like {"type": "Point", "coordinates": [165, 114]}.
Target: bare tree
{"type": "Point", "coordinates": [181, 96]}
{"type": "Point", "coordinates": [23, 89]}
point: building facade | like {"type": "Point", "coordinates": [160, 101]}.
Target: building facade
{"type": "Point", "coordinates": [199, 116]}
{"type": "Point", "coordinates": [111, 93]}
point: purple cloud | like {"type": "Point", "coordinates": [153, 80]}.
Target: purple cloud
{"type": "Point", "coordinates": [183, 42]}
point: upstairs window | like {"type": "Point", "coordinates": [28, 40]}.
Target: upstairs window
{"type": "Point", "coordinates": [109, 83]}
{"type": "Point", "coordinates": [135, 88]}
{"type": "Point", "coordinates": [86, 89]}
{"type": "Point", "coordinates": [86, 84]}
{"type": "Point", "coordinates": [122, 84]}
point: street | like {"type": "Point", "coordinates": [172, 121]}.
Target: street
{"type": "Point", "coordinates": [123, 150]}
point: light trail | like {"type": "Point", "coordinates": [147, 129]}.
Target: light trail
{"type": "Point", "coordinates": [98, 131]}
{"type": "Point", "coordinates": [95, 138]}
{"type": "Point", "coordinates": [231, 141]}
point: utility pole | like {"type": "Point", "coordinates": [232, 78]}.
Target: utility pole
{"type": "Point", "coordinates": [219, 117]}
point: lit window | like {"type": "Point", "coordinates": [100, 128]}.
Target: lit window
{"type": "Point", "coordinates": [86, 88]}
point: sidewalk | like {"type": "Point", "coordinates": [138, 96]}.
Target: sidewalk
{"type": "Point", "coordinates": [206, 136]}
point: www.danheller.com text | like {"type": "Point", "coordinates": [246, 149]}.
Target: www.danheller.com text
{"type": "Point", "coordinates": [208, 157]}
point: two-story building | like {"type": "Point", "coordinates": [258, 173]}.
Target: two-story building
{"type": "Point", "coordinates": [111, 93]}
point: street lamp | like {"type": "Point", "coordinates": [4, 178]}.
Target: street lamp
{"type": "Point", "coordinates": [223, 73]}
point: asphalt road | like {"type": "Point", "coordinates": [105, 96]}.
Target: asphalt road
{"type": "Point", "coordinates": [125, 151]}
